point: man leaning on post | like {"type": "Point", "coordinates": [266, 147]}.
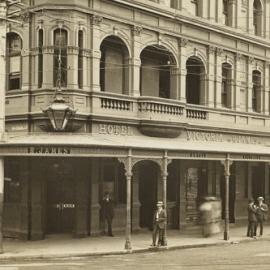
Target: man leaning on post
{"type": "Point", "coordinates": [159, 224]}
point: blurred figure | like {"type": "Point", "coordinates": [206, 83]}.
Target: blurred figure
{"type": "Point", "coordinates": [261, 212]}
{"type": "Point", "coordinates": [252, 218]}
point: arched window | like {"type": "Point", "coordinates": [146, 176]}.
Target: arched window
{"type": "Point", "coordinates": [14, 72]}
{"type": "Point", "coordinates": [195, 80]}
{"type": "Point", "coordinates": [40, 58]}
{"type": "Point", "coordinates": [226, 85]}
{"type": "Point", "coordinates": [257, 17]}
{"type": "Point", "coordinates": [256, 90]}
{"type": "Point", "coordinates": [80, 59]}
{"type": "Point", "coordinates": [114, 66]}
{"type": "Point", "coordinates": [157, 63]}
{"type": "Point", "coordinates": [60, 58]}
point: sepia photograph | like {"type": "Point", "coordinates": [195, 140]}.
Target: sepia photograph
{"type": "Point", "coordinates": [134, 134]}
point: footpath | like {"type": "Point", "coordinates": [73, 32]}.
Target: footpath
{"type": "Point", "coordinates": [64, 246]}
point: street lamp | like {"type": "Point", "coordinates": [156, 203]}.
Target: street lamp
{"type": "Point", "coordinates": [59, 112]}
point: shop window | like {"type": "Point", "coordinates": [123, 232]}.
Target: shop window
{"type": "Point", "coordinates": [80, 59]}
{"type": "Point", "coordinates": [40, 58]}
{"type": "Point", "coordinates": [257, 17]}
{"type": "Point", "coordinates": [14, 47]}
{"type": "Point", "coordinates": [226, 84]}
{"type": "Point", "coordinates": [256, 90]}
{"type": "Point", "coordinates": [60, 58]}
{"type": "Point", "coordinates": [12, 185]}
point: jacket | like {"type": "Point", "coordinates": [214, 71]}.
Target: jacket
{"type": "Point", "coordinates": [261, 212]}
{"type": "Point", "coordinates": [252, 212]}
{"type": "Point", "coordinates": [162, 219]}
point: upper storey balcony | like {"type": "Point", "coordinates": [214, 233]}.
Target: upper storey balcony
{"type": "Point", "coordinates": [161, 85]}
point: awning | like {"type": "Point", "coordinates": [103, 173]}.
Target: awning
{"type": "Point", "coordinates": [92, 145]}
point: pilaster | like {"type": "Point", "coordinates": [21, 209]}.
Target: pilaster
{"type": "Point", "coordinates": [237, 77]}
{"type": "Point", "coordinates": [219, 13]}
{"type": "Point", "coordinates": [48, 52]}
{"type": "Point", "coordinates": [182, 47]}
{"type": "Point", "coordinates": [211, 77]}
{"type": "Point", "coordinates": [135, 64]}
{"type": "Point", "coordinates": [25, 54]}
{"type": "Point", "coordinates": [96, 53]}
{"type": "Point", "coordinates": [250, 61]}
{"type": "Point", "coordinates": [218, 67]}
{"type": "Point", "coordinates": [250, 16]}
{"type": "Point", "coordinates": [82, 198]}
{"type": "Point", "coordinates": [94, 197]}
{"type": "Point", "coordinates": [72, 64]}
{"type": "Point", "coordinates": [265, 98]}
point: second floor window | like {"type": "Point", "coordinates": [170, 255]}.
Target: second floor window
{"type": "Point", "coordinates": [257, 17]}
{"type": "Point", "coordinates": [40, 58]}
{"type": "Point", "coordinates": [226, 12]}
{"type": "Point", "coordinates": [256, 90]}
{"type": "Point", "coordinates": [60, 58]}
{"type": "Point", "coordinates": [14, 47]}
{"type": "Point", "coordinates": [225, 85]}
{"type": "Point", "coordinates": [80, 59]}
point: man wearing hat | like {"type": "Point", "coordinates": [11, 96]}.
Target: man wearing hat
{"type": "Point", "coordinates": [261, 211]}
{"type": "Point", "coordinates": [159, 224]}
{"type": "Point", "coordinates": [252, 218]}
{"type": "Point", "coordinates": [107, 212]}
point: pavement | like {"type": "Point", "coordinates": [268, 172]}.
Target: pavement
{"type": "Point", "coordinates": [64, 246]}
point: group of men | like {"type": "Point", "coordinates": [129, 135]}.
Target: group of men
{"type": "Point", "coordinates": [256, 216]}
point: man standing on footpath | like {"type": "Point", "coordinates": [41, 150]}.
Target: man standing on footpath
{"type": "Point", "coordinates": [107, 211]}
{"type": "Point", "coordinates": [252, 218]}
{"type": "Point", "coordinates": [261, 212]}
{"type": "Point", "coordinates": [159, 224]}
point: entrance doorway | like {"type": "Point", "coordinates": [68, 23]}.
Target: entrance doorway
{"type": "Point", "coordinates": [258, 181]}
{"type": "Point", "coordinates": [60, 197]}
{"type": "Point", "coordinates": [148, 176]}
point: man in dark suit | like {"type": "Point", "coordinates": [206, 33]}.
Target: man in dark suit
{"type": "Point", "coordinates": [107, 211]}
{"type": "Point", "coordinates": [261, 212]}
{"type": "Point", "coordinates": [159, 224]}
{"type": "Point", "coordinates": [252, 219]}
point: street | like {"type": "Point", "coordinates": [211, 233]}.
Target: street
{"type": "Point", "coordinates": [234, 256]}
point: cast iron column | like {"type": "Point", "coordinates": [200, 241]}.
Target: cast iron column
{"type": "Point", "coordinates": [3, 32]}
{"type": "Point", "coordinates": [164, 182]}
{"type": "Point", "coordinates": [1, 201]}
{"type": "Point", "coordinates": [128, 168]}
{"type": "Point", "coordinates": [227, 163]}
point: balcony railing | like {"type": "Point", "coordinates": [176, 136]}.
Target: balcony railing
{"type": "Point", "coordinates": [115, 104]}
{"type": "Point", "coordinates": [161, 108]}
{"type": "Point", "coordinates": [193, 113]}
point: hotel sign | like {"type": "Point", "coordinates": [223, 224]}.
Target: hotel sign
{"type": "Point", "coordinates": [46, 150]}
{"type": "Point", "coordinates": [220, 137]}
